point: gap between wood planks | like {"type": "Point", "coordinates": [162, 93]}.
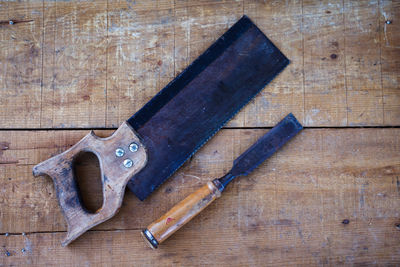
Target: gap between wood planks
{"type": "Point", "coordinates": [223, 128]}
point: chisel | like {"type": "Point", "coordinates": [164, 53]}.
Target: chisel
{"type": "Point", "coordinates": [184, 211]}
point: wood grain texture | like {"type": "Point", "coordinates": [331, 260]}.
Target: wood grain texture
{"type": "Point", "coordinates": [330, 197]}
{"type": "Point", "coordinates": [290, 210]}
{"type": "Point", "coordinates": [74, 64]}
{"type": "Point", "coordinates": [21, 63]}
{"type": "Point", "coordinates": [81, 64]}
{"type": "Point", "coordinates": [390, 67]}
{"type": "Point", "coordinates": [114, 177]}
{"type": "Point", "coordinates": [362, 58]}
{"type": "Point", "coordinates": [181, 213]}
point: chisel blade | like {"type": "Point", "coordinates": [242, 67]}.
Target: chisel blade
{"type": "Point", "coordinates": [266, 146]}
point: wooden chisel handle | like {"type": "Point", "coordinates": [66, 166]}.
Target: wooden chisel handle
{"type": "Point", "coordinates": [181, 214]}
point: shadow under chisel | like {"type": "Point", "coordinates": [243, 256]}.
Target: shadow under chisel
{"type": "Point", "coordinates": [184, 211]}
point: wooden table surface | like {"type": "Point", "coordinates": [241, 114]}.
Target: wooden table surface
{"type": "Point", "coordinates": [332, 196]}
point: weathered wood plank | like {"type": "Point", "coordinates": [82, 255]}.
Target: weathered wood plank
{"type": "Point", "coordinates": [312, 7]}
{"type": "Point", "coordinates": [362, 63]}
{"type": "Point", "coordinates": [390, 51]}
{"type": "Point", "coordinates": [93, 64]}
{"type": "Point", "coordinates": [291, 209]}
{"type": "Point", "coordinates": [103, 60]}
{"type": "Point", "coordinates": [324, 77]}
{"type": "Point", "coordinates": [191, 247]}
{"type": "Point", "coordinates": [140, 55]}
{"type": "Point", "coordinates": [21, 63]}
{"type": "Point", "coordinates": [75, 67]}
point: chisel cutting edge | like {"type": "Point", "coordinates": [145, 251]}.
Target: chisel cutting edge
{"type": "Point", "coordinates": [184, 211]}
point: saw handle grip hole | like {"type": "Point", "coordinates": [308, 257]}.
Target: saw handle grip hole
{"type": "Point", "coordinates": [88, 178]}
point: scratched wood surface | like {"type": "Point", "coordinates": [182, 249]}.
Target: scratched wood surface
{"type": "Point", "coordinates": [92, 64]}
{"type": "Point", "coordinates": [293, 209]}
{"type": "Point", "coordinates": [330, 197]}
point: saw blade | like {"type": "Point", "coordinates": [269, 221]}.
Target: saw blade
{"type": "Point", "coordinates": [198, 102]}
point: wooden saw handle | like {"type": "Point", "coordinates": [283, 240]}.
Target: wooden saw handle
{"type": "Point", "coordinates": [181, 214]}
{"type": "Point", "coordinates": [114, 176]}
